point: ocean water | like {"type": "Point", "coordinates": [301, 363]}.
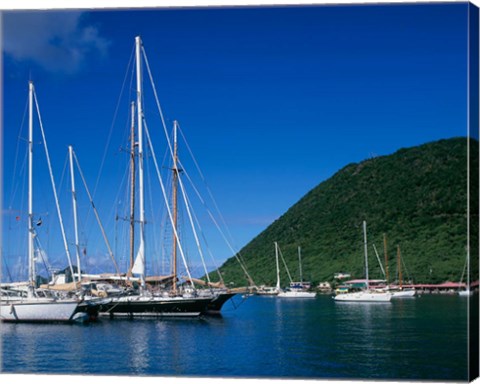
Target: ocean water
{"type": "Point", "coordinates": [424, 338]}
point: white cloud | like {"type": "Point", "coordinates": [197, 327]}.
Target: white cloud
{"type": "Point", "coordinates": [56, 41]}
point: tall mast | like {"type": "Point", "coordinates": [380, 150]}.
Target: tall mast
{"type": "Point", "coordinates": [74, 202]}
{"type": "Point", "coordinates": [31, 262]}
{"type": "Point", "coordinates": [366, 252]}
{"type": "Point", "coordinates": [278, 267]}
{"type": "Point", "coordinates": [132, 189]}
{"type": "Point", "coordinates": [300, 263]}
{"type": "Point", "coordinates": [174, 205]}
{"type": "Point", "coordinates": [399, 266]}
{"type": "Point", "coordinates": [386, 256]}
{"type": "Point", "coordinates": [141, 251]}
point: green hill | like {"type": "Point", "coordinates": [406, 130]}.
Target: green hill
{"type": "Point", "coordinates": [416, 196]}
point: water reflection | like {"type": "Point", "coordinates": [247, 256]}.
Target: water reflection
{"type": "Point", "coordinates": [265, 337]}
{"type": "Point", "coordinates": [137, 347]}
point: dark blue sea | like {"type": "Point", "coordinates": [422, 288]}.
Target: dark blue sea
{"type": "Point", "coordinates": [424, 338]}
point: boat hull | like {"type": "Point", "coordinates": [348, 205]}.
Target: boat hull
{"type": "Point", "coordinates": [402, 294]}
{"type": "Point", "coordinates": [31, 310]}
{"type": "Point", "coordinates": [296, 294]}
{"type": "Point", "coordinates": [216, 304]}
{"type": "Point", "coordinates": [139, 306]}
{"type": "Point", "coordinates": [375, 297]}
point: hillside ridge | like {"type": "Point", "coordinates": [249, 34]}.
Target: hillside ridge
{"type": "Point", "coordinates": [416, 196]}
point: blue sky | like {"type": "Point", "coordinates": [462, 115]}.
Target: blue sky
{"type": "Point", "coordinates": [272, 100]}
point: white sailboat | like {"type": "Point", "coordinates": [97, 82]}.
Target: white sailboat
{"type": "Point", "coordinates": [264, 290]}
{"type": "Point", "coordinates": [34, 304]}
{"type": "Point", "coordinates": [368, 294]}
{"type": "Point", "coordinates": [404, 292]}
{"type": "Point", "coordinates": [466, 292]}
{"type": "Point", "coordinates": [401, 292]}
{"type": "Point", "coordinates": [296, 290]}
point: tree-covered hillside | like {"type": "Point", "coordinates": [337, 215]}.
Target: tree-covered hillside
{"type": "Point", "coordinates": [416, 196]}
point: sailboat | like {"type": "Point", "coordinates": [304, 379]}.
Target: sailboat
{"type": "Point", "coordinates": [366, 295]}
{"type": "Point", "coordinates": [264, 290]}
{"type": "Point", "coordinates": [401, 292]}
{"type": "Point", "coordinates": [218, 293]}
{"type": "Point", "coordinates": [34, 304]}
{"type": "Point", "coordinates": [296, 289]}
{"type": "Point", "coordinates": [177, 301]}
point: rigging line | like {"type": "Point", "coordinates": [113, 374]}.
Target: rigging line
{"type": "Point", "coordinates": [464, 268]}
{"type": "Point", "coordinates": [111, 130]}
{"type": "Point", "coordinates": [235, 253]}
{"type": "Point", "coordinates": [17, 149]}
{"type": "Point", "coordinates": [59, 213]}
{"type": "Point", "coordinates": [210, 193]}
{"type": "Point", "coordinates": [164, 237]}
{"type": "Point", "coordinates": [192, 224]}
{"type": "Point", "coordinates": [164, 161]}
{"type": "Point", "coordinates": [149, 193]}
{"type": "Point", "coordinates": [406, 270]}
{"type": "Point", "coordinates": [166, 201]}
{"type": "Point", "coordinates": [13, 192]}
{"type": "Point", "coordinates": [238, 254]}
{"type": "Point", "coordinates": [6, 266]}
{"type": "Point", "coordinates": [114, 207]}
{"type": "Point", "coordinates": [285, 264]}
{"type": "Point", "coordinates": [125, 186]}
{"type": "Point", "coordinates": [206, 245]}
{"type": "Point", "coordinates": [46, 264]}
{"type": "Point", "coordinates": [96, 213]}
{"type": "Point", "coordinates": [208, 250]}
{"type": "Point", "coordinates": [60, 184]}
{"type": "Point", "coordinates": [165, 131]}
{"type": "Point", "coordinates": [113, 123]}
{"type": "Point", "coordinates": [379, 262]}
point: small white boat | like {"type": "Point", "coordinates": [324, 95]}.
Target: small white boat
{"type": "Point", "coordinates": [295, 294]}
{"type": "Point", "coordinates": [297, 289]}
{"type": "Point", "coordinates": [364, 296]}
{"type": "Point", "coordinates": [400, 292]}
{"type": "Point", "coordinates": [465, 293]}
{"type": "Point", "coordinates": [403, 293]}
{"type": "Point", "coordinates": [266, 291]}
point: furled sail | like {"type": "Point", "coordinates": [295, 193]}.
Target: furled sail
{"type": "Point", "coordinates": [205, 283]}
{"type": "Point", "coordinates": [139, 265]}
